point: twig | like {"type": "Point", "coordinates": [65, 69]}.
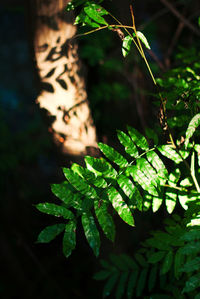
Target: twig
{"type": "Point", "coordinates": [180, 17]}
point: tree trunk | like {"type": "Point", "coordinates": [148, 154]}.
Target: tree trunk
{"type": "Point", "coordinates": [63, 92]}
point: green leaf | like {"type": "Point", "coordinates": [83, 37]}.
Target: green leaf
{"type": "Point", "coordinates": [152, 278]}
{"type": "Point", "coordinates": [194, 123]}
{"type": "Point", "coordinates": [191, 266]}
{"type": "Point", "coordinates": [91, 232]}
{"type": "Point", "coordinates": [68, 194]}
{"type": "Point", "coordinates": [79, 183]}
{"type": "Point", "coordinates": [178, 262]}
{"type": "Point", "coordinates": [69, 239]}
{"type": "Point", "coordinates": [89, 176]}
{"type": "Point", "coordinates": [101, 275]}
{"type": "Point", "coordinates": [150, 133]}
{"type": "Point", "coordinates": [100, 167]}
{"type": "Point", "coordinates": [167, 263]}
{"type": "Point", "coordinates": [105, 219]}
{"type": "Point", "coordinates": [120, 206]}
{"type": "Point", "coordinates": [156, 203]}
{"type": "Point", "coordinates": [50, 232]}
{"type": "Point", "coordinates": [93, 11]}
{"type": "Point", "coordinates": [126, 45]}
{"type": "Point", "coordinates": [118, 262]}
{"type": "Point", "coordinates": [149, 171]}
{"type": "Point", "coordinates": [55, 210]}
{"type": "Point", "coordinates": [190, 248]}
{"type": "Point", "coordinates": [143, 39]}
{"type": "Point", "coordinates": [126, 141]}
{"type": "Point", "coordinates": [142, 180]}
{"type": "Point", "coordinates": [129, 262]}
{"type": "Point", "coordinates": [158, 244]}
{"type": "Point", "coordinates": [141, 282]}
{"type": "Point", "coordinates": [121, 285]}
{"type": "Point", "coordinates": [132, 283]}
{"type": "Point", "coordinates": [85, 20]}
{"type": "Point", "coordinates": [113, 155]}
{"type": "Point", "coordinates": [135, 199]}
{"type": "Point", "coordinates": [110, 284]}
{"type": "Point", "coordinates": [169, 152]}
{"type": "Point", "coordinates": [157, 163]}
{"type": "Point", "coordinates": [156, 257]}
{"type": "Point", "coordinates": [138, 138]}
{"type": "Point", "coordinates": [140, 259]}
{"type": "Point", "coordinates": [192, 283]}
{"type": "Point", "coordinates": [193, 234]}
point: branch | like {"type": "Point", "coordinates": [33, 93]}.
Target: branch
{"type": "Point", "coordinates": [180, 17]}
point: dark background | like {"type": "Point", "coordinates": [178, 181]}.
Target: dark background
{"type": "Point", "coordinates": [30, 161]}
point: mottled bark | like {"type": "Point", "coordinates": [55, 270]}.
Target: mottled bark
{"type": "Point", "coordinates": [63, 92]}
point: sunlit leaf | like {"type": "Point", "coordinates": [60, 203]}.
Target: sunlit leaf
{"type": "Point", "coordinates": [79, 184]}
{"type": "Point", "coordinates": [126, 45]}
{"type": "Point", "coordinates": [113, 155]}
{"type": "Point", "coordinates": [100, 167]}
{"type": "Point", "coordinates": [120, 206]}
{"type": "Point", "coordinates": [93, 11]}
{"type": "Point", "coordinates": [55, 210]}
{"type": "Point", "coordinates": [138, 138]}
{"type": "Point", "coordinates": [194, 123]}
{"type": "Point", "coordinates": [129, 145]}
{"type": "Point", "coordinates": [143, 39]}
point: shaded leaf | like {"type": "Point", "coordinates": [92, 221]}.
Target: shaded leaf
{"type": "Point", "coordinates": [152, 278]}
{"type": "Point", "coordinates": [110, 284]}
{"type": "Point", "coordinates": [167, 262]}
{"type": "Point", "coordinates": [50, 232]}
{"type": "Point", "coordinates": [69, 239]}
{"type": "Point", "coordinates": [141, 282]}
{"type": "Point", "coordinates": [192, 283]}
{"type": "Point", "coordinates": [191, 266]}
{"type": "Point", "coordinates": [121, 285]}
{"type": "Point", "coordinates": [101, 275]}
{"type": "Point", "coordinates": [105, 219]}
{"type": "Point", "coordinates": [91, 232]}
{"type": "Point", "coordinates": [156, 257]}
{"type": "Point", "coordinates": [132, 283]}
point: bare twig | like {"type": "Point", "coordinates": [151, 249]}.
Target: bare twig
{"type": "Point", "coordinates": [180, 16]}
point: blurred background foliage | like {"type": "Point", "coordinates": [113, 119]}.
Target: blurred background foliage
{"type": "Point", "coordinates": [120, 93]}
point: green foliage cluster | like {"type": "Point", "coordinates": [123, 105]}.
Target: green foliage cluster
{"type": "Point", "coordinates": [140, 177]}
